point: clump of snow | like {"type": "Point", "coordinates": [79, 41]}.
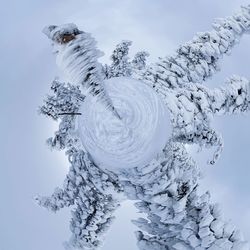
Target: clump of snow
{"type": "Point", "coordinates": [135, 139]}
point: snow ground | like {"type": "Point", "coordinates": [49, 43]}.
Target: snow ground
{"type": "Point", "coordinates": [135, 139]}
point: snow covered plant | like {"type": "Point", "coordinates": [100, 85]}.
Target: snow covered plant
{"type": "Point", "coordinates": [124, 127]}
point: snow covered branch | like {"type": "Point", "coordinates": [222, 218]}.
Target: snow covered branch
{"type": "Point", "coordinates": [120, 65]}
{"type": "Point", "coordinates": [63, 105]}
{"type": "Point", "coordinates": [139, 61]}
{"type": "Point", "coordinates": [65, 99]}
{"type": "Point", "coordinates": [193, 107]}
{"type": "Point", "coordinates": [77, 56]}
{"type": "Point", "coordinates": [233, 98]}
{"type": "Point", "coordinates": [95, 194]}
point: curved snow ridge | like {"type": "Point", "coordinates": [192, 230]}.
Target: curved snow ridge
{"type": "Point", "coordinates": [135, 139]}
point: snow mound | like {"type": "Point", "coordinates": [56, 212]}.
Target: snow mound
{"type": "Point", "coordinates": [135, 139]}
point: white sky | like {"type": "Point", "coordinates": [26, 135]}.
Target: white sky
{"type": "Point", "coordinates": [27, 67]}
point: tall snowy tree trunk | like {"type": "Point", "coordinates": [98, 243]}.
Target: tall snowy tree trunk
{"type": "Point", "coordinates": [177, 216]}
{"type": "Point", "coordinates": [197, 60]}
{"type": "Point", "coordinates": [95, 194]}
{"type": "Point", "coordinates": [77, 56]}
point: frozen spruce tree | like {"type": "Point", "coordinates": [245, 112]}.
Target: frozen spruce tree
{"type": "Point", "coordinates": [139, 61]}
{"type": "Point", "coordinates": [125, 128]}
{"type": "Point", "coordinates": [120, 65]}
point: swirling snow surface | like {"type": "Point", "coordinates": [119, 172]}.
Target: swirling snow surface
{"type": "Point", "coordinates": [135, 139]}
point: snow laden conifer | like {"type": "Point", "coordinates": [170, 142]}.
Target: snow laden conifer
{"type": "Point", "coordinates": [166, 189]}
{"type": "Point", "coordinates": [192, 64]}
{"type": "Point", "coordinates": [139, 61]}
{"type": "Point", "coordinates": [139, 64]}
{"type": "Point", "coordinates": [120, 65]}
{"type": "Point", "coordinates": [198, 59]}
{"type": "Point", "coordinates": [178, 216]}
{"type": "Point", "coordinates": [94, 194]}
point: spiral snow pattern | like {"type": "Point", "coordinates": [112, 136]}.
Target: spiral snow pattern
{"type": "Point", "coordinates": [135, 139]}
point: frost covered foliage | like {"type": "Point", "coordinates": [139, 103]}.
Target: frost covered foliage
{"type": "Point", "coordinates": [180, 76]}
{"type": "Point", "coordinates": [63, 105]}
{"type": "Point", "coordinates": [192, 108]}
{"type": "Point", "coordinates": [90, 190]}
{"type": "Point", "coordinates": [198, 59]}
{"type": "Point", "coordinates": [166, 189]}
{"type": "Point", "coordinates": [120, 63]}
{"type": "Point", "coordinates": [178, 217]}
{"type": "Point", "coordinates": [139, 61]}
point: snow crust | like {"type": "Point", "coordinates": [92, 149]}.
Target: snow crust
{"type": "Point", "coordinates": [132, 141]}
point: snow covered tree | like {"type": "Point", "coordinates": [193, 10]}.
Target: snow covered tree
{"type": "Point", "coordinates": [139, 61]}
{"type": "Point", "coordinates": [198, 59]}
{"type": "Point", "coordinates": [193, 222]}
{"type": "Point", "coordinates": [178, 217]}
{"type": "Point", "coordinates": [95, 195]}
{"type": "Point", "coordinates": [63, 105]}
{"type": "Point", "coordinates": [66, 100]}
{"type": "Point", "coordinates": [120, 65]}
{"type": "Point", "coordinates": [166, 188]}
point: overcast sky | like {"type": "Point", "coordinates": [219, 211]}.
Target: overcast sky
{"type": "Point", "coordinates": [27, 67]}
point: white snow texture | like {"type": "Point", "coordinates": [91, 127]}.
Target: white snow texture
{"type": "Point", "coordinates": [136, 138]}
